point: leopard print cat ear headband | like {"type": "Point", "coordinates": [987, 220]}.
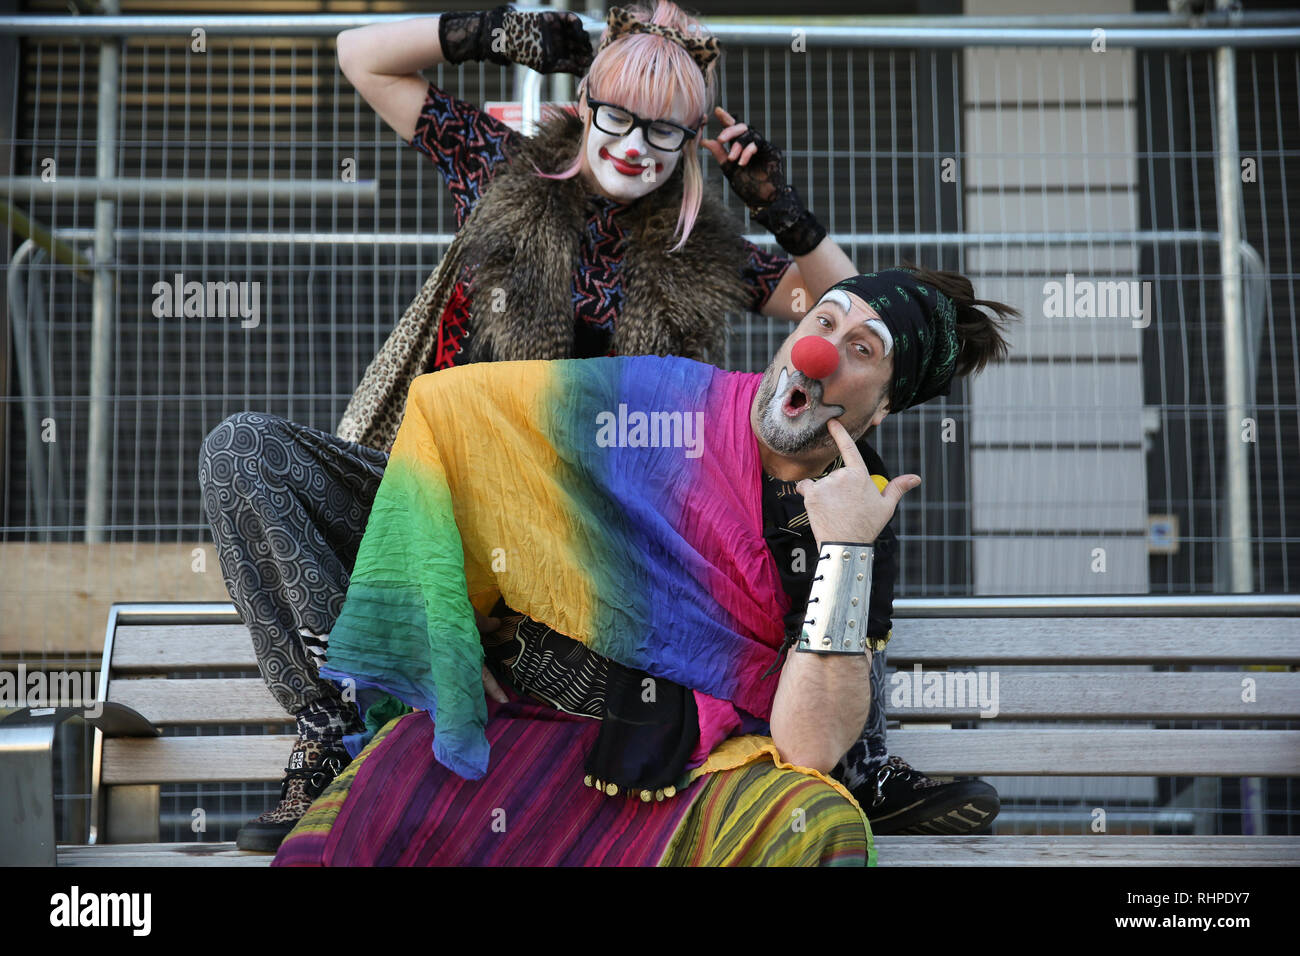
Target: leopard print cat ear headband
{"type": "Point", "coordinates": [621, 22]}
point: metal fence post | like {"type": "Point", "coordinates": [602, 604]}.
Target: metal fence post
{"type": "Point", "coordinates": [103, 311]}
{"type": "Point", "coordinates": [1241, 578]}
{"type": "Point", "coordinates": [1234, 338]}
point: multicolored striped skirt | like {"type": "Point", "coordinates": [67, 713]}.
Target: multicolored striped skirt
{"type": "Point", "coordinates": [397, 806]}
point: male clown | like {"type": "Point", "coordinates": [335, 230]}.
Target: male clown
{"type": "Point", "coordinates": [898, 336]}
{"type": "Point", "coordinates": [897, 339]}
{"type": "Point", "coordinates": [872, 343]}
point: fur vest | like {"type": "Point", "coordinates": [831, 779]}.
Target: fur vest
{"type": "Point", "coordinates": [522, 238]}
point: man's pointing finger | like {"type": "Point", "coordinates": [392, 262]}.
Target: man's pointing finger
{"type": "Point", "coordinates": [848, 448]}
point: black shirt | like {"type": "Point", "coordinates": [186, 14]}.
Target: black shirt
{"type": "Point", "coordinates": [790, 538]}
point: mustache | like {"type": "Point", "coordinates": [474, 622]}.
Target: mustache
{"type": "Point", "coordinates": [812, 387]}
{"type": "Point", "coordinates": [782, 379]}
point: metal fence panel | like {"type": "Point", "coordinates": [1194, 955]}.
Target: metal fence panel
{"type": "Point", "coordinates": [1022, 156]}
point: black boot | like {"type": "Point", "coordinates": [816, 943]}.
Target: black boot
{"type": "Point", "coordinates": [901, 799]}
{"type": "Point", "coordinates": [312, 766]}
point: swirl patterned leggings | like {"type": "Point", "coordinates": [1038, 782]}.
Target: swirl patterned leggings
{"type": "Point", "coordinates": [287, 505]}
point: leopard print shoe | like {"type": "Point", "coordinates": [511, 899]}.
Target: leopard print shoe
{"type": "Point", "coordinates": [312, 766]}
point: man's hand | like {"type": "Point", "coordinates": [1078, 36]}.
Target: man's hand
{"type": "Point", "coordinates": [487, 625]}
{"type": "Point", "coordinates": [846, 505]}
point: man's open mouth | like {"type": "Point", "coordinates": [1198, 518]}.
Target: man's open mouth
{"type": "Point", "coordinates": [796, 403]}
{"type": "Point", "coordinates": [797, 399]}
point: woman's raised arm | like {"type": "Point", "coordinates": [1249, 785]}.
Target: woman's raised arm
{"type": "Point", "coordinates": [383, 61]}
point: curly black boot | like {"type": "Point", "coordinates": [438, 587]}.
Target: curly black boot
{"type": "Point", "coordinates": [312, 765]}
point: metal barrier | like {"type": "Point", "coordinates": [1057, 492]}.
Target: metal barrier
{"type": "Point", "coordinates": [1011, 149]}
{"type": "Point", "coordinates": [1223, 32]}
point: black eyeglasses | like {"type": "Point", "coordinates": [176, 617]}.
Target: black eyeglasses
{"type": "Point", "coordinates": [661, 134]}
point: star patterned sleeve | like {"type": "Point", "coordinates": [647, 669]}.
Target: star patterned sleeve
{"type": "Point", "coordinates": [762, 272]}
{"type": "Point", "coordinates": [464, 142]}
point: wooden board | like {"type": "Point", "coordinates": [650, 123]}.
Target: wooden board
{"type": "Point", "coordinates": [54, 600]}
{"type": "Point", "coordinates": [250, 758]}
{"type": "Point", "coordinates": [160, 854]}
{"type": "Point", "coordinates": [1099, 850]}
{"type": "Point", "coordinates": [930, 642]}
{"type": "Point", "coordinates": [1101, 640]}
{"type": "Point", "coordinates": [157, 648]}
{"type": "Point", "coordinates": [1100, 752]}
{"type": "Point", "coordinates": [1113, 696]}
{"type": "Point", "coordinates": [200, 702]}
{"type": "Point", "coordinates": [1113, 753]}
{"type": "Point", "coordinates": [1207, 696]}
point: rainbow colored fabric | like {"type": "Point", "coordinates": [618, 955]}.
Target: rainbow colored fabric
{"type": "Point", "coordinates": [396, 806]}
{"type": "Point", "coordinates": [616, 500]}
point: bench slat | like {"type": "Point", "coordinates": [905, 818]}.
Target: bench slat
{"type": "Point", "coordinates": [157, 648]}
{"type": "Point", "coordinates": [1151, 640]}
{"type": "Point", "coordinates": [160, 854]}
{"type": "Point", "coordinates": [1105, 753]}
{"type": "Point", "coordinates": [1129, 696]}
{"type": "Point", "coordinates": [134, 760]}
{"type": "Point", "coordinates": [1117, 753]}
{"type": "Point", "coordinates": [1104, 640]}
{"type": "Point", "coordinates": [1100, 849]}
{"type": "Point", "coordinates": [200, 702]}
{"type": "Point", "coordinates": [1042, 696]}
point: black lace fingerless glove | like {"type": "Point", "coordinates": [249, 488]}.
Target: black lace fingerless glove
{"type": "Point", "coordinates": [467, 35]}
{"type": "Point", "coordinates": [774, 203]}
{"type": "Point", "coordinates": [549, 42]}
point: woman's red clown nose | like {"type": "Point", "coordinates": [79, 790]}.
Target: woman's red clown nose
{"type": "Point", "coordinates": [814, 356]}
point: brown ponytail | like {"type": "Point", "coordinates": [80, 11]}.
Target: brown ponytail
{"type": "Point", "coordinates": [981, 335]}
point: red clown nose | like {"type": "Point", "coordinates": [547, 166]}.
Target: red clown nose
{"type": "Point", "coordinates": [814, 356]}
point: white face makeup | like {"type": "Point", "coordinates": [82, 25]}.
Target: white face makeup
{"type": "Point", "coordinates": [792, 417]}
{"type": "Point", "coordinates": [841, 298]}
{"type": "Point", "coordinates": [627, 167]}
{"type": "Point", "coordinates": [791, 409]}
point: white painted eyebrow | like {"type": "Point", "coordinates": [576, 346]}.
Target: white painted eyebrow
{"type": "Point", "coordinates": [840, 297]}
{"type": "Point", "coordinates": [882, 330]}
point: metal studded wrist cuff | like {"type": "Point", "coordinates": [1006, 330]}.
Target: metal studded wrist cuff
{"type": "Point", "coordinates": [836, 619]}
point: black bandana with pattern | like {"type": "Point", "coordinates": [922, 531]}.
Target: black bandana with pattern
{"type": "Point", "coordinates": [923, 322]}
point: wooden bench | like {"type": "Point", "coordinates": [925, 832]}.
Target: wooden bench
{"type": "Point", "coordinates": [144, 644]}
{"type": "Point", "coordinates": [1032, 638]}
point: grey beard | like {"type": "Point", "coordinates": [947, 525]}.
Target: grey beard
{"type": "Point", "coordinates": [782, 439]}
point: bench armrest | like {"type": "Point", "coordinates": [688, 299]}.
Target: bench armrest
{"type": "Point", "coordinates": [27, 774]}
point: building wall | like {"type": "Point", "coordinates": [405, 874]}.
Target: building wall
{"type": "Point", "coordinates": [1057, 465]}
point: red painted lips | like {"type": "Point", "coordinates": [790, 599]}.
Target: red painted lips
{"type": "Point", "coordinates": [626, 168]}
